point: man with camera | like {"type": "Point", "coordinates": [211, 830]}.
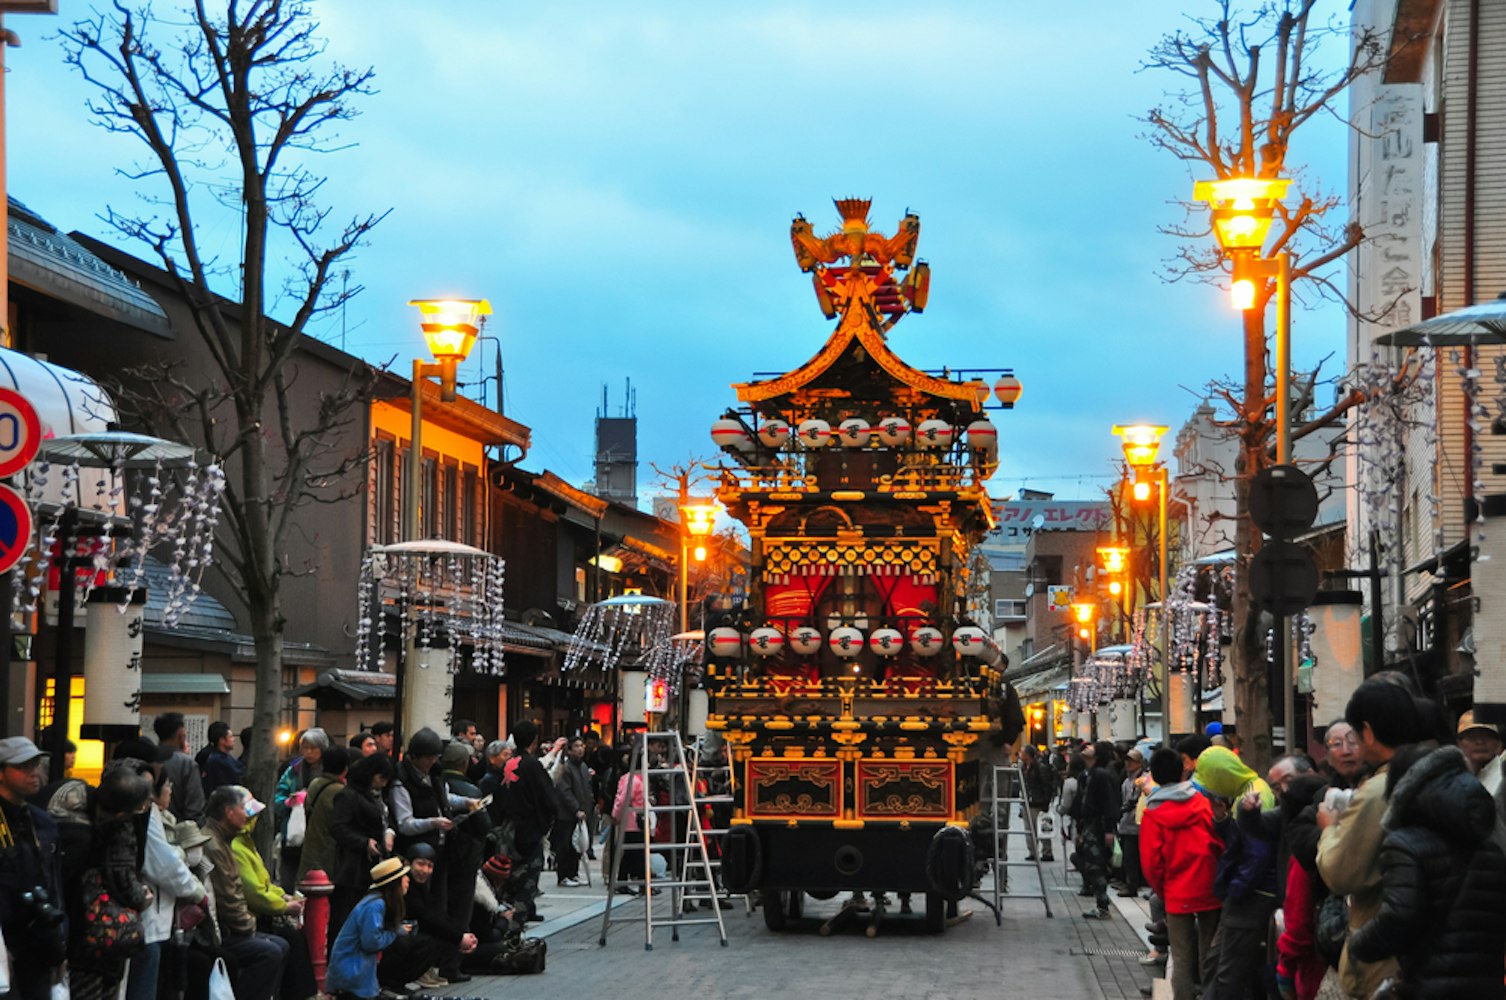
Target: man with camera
{"type": "Point", "coordinates": [31, 914]}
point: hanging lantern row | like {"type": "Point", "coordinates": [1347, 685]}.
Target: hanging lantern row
{"type": "Point", "coordinates": [729, 433]}
{"type": "Point", "coordinates": [847, 641]}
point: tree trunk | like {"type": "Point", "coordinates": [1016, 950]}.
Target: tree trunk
{"type": "Point", "coordinates": [1249, 673]}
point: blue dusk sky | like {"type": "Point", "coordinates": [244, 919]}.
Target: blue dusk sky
{"type": "Point", "coordinates": [618, 179]}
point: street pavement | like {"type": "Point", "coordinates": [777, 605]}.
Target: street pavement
{"type": "Point", "coordinates": [1029, 956]}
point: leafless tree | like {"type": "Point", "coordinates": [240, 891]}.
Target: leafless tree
{"type": "Point", "coordinates": [1251, 77]}
{"type": "Point", "coordinates": [242, 87]}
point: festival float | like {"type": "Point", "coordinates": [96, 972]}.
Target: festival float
{"type": "Point", "coordinates": [853, 685]}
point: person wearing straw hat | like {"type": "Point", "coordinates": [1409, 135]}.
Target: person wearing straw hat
{"type": "Point", "coordinates": [371, 927]}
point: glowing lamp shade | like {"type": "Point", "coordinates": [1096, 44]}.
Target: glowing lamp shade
{"type": "Point", "coordinates": [1115, 558]}
{"type": "Point", "coordinates": [1140, 491]}
{"type": "Point", "coordinates": [846, 642]}
{"type": "Point", "coordinates": [1141, 442]}
{"type": "Point", "coordinates": [450, 325]}
{"type": "Point", "coordinates": [1007, 390]}
{"type": "Point", "coordinates": [806, 640]}
{"type": "Point", "coordinates": [698, 518]}
{"type": "Point", "coordinates": [766, 641]}
{"type": "Point", "coordinates": [112, 663]}
{"type": "Point", "coordinates": [1116, 589]}
{"type": "Point", "coordinates": [1084, 611]}
{"type": "Point", "coordinates": [1242, 294]}
{"type": "Point", "coordinates": [1242, 209]}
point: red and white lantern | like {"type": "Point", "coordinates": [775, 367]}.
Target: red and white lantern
{"type": "Point", "coordinates": [724, 642]}
{"type": "Point", "coordinates": [814, 433]}
{"type": "Point", "coordinates": [805, 640]}
{"type": "Point", "coordinates": [766, 641]}
{"type": "Point", "coordinates": [983, 436]}
{"type": "Point", "coordinates": [846, 642]}
{"type": "Point", "coordinates": [969, 640]}
{"type": "Point", "coordinates": [774, 433]}
{"type": "Point", "coordinates": [854, 432]}
{"type": "Point", "coordinates": [934, 434]}
{"type": "Point", "coordinates": [730, 433]}
{"type": "Point", "coordinates": [926, 641]}
{"type": "Point", "coordinates": [886, 642]}
{"type": "Point", "coordinates": [894, 431]}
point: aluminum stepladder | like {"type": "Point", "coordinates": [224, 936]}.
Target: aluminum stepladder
{"type": "Point", "coordinates": [719, 791]}
{"type": "Point", "coordinates": [696, 874]}
{"type": "Point", "coordinates": [1010, 780]}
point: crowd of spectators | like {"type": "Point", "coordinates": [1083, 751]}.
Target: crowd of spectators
{"type": "Point", "coordinates": [154, 883]}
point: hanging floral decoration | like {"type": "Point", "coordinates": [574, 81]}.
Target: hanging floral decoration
{"type": "Point", "coordinates": [166, 510]}
{"type": "Point", "coordinates": [622, 630]}
{"type": "Point", "coordinates": [440, 594]}
{"type": "Point", "coordinates": [1199, 630]}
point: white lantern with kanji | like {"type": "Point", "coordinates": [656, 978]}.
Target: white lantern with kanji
{"type": "Point", "coordinates": [886, 642]}
{"type": "Point", "coordinates": [112, 663]}
{"type": "Point", "coordinates": [774, 433]}
{"type": "Point", "coordinates": [724, 642]}
{"type": "Point", "coordinates": [766, 641]}
{"type": "Point", "coordinates": [730, 433]}
{"type": "Point", "coordinates": [926, 641]}
{"type": "Point", "coordinates": [854, 432]}
{"type": "Point", "coordinates": [846, 642]}
{"type": "Point", "coordinates": [894, 431]}
{"type": "Point", "coordinates": [814, 433]}
{"type": "Point", "coordinates": [806, 640]}
{"type": "Point", "coordinates": [969, 640]}
{"type": "Point", "coordinates": [933, 434]}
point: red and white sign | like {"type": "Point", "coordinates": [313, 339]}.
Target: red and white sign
{"type": "Point", "coordinates": [20, 432]}
{"type": "Point", "coordinates": [15, 528]}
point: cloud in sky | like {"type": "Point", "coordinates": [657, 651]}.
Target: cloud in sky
{"type": "Point", "coordinates": [618, 180]}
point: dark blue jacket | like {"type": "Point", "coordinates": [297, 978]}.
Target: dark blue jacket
{"type": "Point", "coordinates": [28, 859]}
{"type": "Point", "coordinates": [1248, 864]}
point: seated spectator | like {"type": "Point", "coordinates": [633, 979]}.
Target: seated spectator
{"type": "Point", "coordinates": [261, 957]}
{"type": "Point", "coordinates": [373, 927]}
{"type": "Point", "coordinates": [1442, 881]}
{"type": "Point", "coordinates": [437, 941]}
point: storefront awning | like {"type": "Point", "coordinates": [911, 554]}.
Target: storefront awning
{"type": "Point", "coordinates": [184, 684]}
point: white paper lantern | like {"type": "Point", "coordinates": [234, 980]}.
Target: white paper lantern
{"type": "Point", "coordinates": [1183, 717]}
{"type": "Point", "coordinates": [926, 641]}
{"type": "Point", "coordinates": [814, 433]}
{"type": "Point", "coordinates": [934, 434]}
{"type": "Point", "coordinates": [969, 640]}
{"type": "Point", "coordinates": [730, 433]}
{"type": "Point", "coordinates": [774, 433]}
{"type": "Point", "coordinates": [886, 642]}
{"type": "Point", "coordinates": [430, 687]}
{"type": "Point", "coordinates": [766, 641]}
{"type": "Point", "coordinates": [697, 710]}
{"type": "Point", "coordinates": [854, 432]}
{"type": "Point", "coordinates": [724, 642]}
{"type": "Point", "coordinates": [1124, 726]}
{"type": "Point", "coordinates": [112, 664]}
{"type": "Point", "coordinates": [894, 431]}
{"type": "Point", "coordinates": [805, 640]}
{"type": "Point", "coordinates": [633, 689]}
{"type": "Point", "coordinates": [846, 642]}
{"type": "Point", "coordinates": [1338, 654]}
{"type": "Point", "coordinates": [983, 436]}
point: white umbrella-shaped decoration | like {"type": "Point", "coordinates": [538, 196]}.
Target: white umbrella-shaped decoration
{"type": "Point", "coordinates": [613, 628]}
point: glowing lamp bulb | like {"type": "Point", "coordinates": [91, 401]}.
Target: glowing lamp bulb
{"type": "Point", "coordinates": [1116, 588]}
{"type": "Point", "coordinates": [1082, 633]}
{"type": "Point", "coordinates": [1242, 294]}
{"type": "Point", "coordinates": [1142, 492]}
{"type": "Point", "coordinates": [700, 553]}
{"type": "Point", "coordinates": [856, 668]}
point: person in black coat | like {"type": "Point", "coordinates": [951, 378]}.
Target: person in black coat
{"type": "Point", "coordinates": [359, 830]}
{"type": "Point", "coordinates": [1443, 881]}
{"type": "Point", "coordinates": [1096, 813]}
{"type": "Point", "coordinates": [530, 806]}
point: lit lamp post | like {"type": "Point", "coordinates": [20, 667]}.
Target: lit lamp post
{"type": "Point", "coordinates": [1242, 209]}
{"type": "Point", "coordinates": [1141, 443]}
{"type": "Point", "coordinates": [697, 517]}
{"type": "Point", "coordinates": [450, 327]}
{"type": "Point", "coordinates": [1084, 612]}
{"type": "Point", "coordinates": [1115, 559]}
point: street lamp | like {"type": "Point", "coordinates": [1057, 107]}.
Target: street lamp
{"type": "Point", "coordinates": [450, 327]}
{"type": "Point", "coordinates": [1141, 444]}
{"type": "Point", "coordinates": [1085, 612]}
{"type": "Point", "coordinates": [697, 517]}
{"type": "Point", "coordinates": [1242, 209]}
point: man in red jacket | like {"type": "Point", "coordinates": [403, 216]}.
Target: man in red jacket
{"type": "Point", "coordinates": [1179, 854]}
